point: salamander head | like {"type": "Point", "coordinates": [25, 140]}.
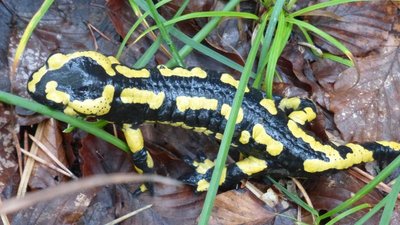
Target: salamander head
{"type": "Point", "coordinates": [76, 83]}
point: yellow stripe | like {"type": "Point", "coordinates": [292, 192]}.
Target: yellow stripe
{"type": "Point", "coordinates": [226, 110]}
{"type": "Point", "coordinates": [260, 136]}
{"type": "Point", "coordinates": [228, 79]}
{"type": "Point", "coordinates": [358, 155]}
{"type": "Point", "coordinates": [36, 77]}
{"type": "Point", "coordinates": [181, 72]}
{"type": "Point", "coordinates": [132, 73]}
{"type": "Point", "coordinates": [58, 60]}
{"type": "Point", "coordinates": [184, 103]}
{"type": "Point", "coordinates": [98, 106]}
{"type": "Point", "coordinates": [134, 95]}
{"type": "Point", "coordinates": [269, 105]}
{"type": "Point", "coordinates": [391, 144]}
{"type": "Point", "coordinates": [55, 95]}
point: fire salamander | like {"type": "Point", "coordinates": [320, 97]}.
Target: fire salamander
{"type": "Point", "coordinates": [269, 133]}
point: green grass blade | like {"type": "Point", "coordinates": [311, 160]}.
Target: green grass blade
{"type": "Point", "coordinates": [164, 33]}
{"type": "Point", "coordinates": [278, 43]}
{"type": "Point", "coordinates": [136, 24]}
{"type": "Point", "coordinates": [276, 12]}
{"type": "Point", "coordinates": [347, 213]}
{"type": "Point", "coordinates": [324, 35]}
{"type": "Point", "coordinates": [207, 51]}
{"type": "Point", "coordinates": [83, 125]}
{"type": "Point", "coordinates": [373, 211]}
{"type": "Point", "coordinates": [191, 43]}
{"type": "Point", "coordinates": [391, 203]}
{"type": "Point", "coordinates": [229, 129]}
{"type": "Point", "coordinates": [28, 32]}
{"type": "Point", "coordinates": [338, 59]}
{"type": "Point", "coordinates": [149, 53]}
{"type": "Point", "coordinates": [322, 5]}
{"type": "Point", "coordinates": [185, 50]}
{"type": "Point", "coordinates": [325, 55]}
{"type": "Point", "coordinates": [294, 198]}
{"type": "Point", "coordinates": [365, 190]}
{"type": "Point", "coordinates": [195, 15]}
{"type": "Point", "coordinates": [194, 42]}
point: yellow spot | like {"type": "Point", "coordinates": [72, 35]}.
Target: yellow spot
{"type": "Point", "coordinates": [134, 95]}
{"type": "Point", "coordinates": [208, 132]}
{"type": "Point", "coordinates": [181, 72]}
{"type": "Point", "coordinates": [55, 95]}
{"type": "Point", "coordinates": [228, 79]}
{"type": "Point", "coordinates": [202, 185]}
{"type": "Point", "coordinates": [269, 104]}
{"type": "Point", "coordinates": [391, 144]}
{"type": "Point", "coordinates": [70, 111]}
{"type": "Point", "coordinates": [244, 137]}
{"type": "Point", "coordinates": [132, 73]}
{"type": "Point", "coordinates": [138, 170]}
{"type": "Point", "coordinates": [358, 155]}
{"type": "Point", "coordinates": [36, 77]}
{"type": "Point", "coordinates": [134, 138]}
{"type": "Point", "coordinates": [260, 136]}
{"type": "Point", "coordinates": [252, 165]}
{"type": "Point", "coordinates": [301, 117]}
{"type": "Point", "coordinates": [98, 106]}
{"type": "Point", "coordinates": [58, 60]}
{"type": "Point", "coordinates": [223, 176]}
{"type": "Point", "coordinates": [290, 103]}
{"type": "Point", "coordinates": [200, 129]}
{"type": "Point", "coordinates": [149, 160]}
{"type": "Point", "coordinates": [218, 136]}
{"type": "Point", "coordinates": [226, 110]}
{"type": "Point", "coordinates": [184, 103]}
{"type": "Point", "coordinates": [143, 188]}
{"type": "Point", "coordinates": [203, 167]}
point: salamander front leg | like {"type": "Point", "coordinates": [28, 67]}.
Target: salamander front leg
{"type": "Point", "coordinates": [142, 160]}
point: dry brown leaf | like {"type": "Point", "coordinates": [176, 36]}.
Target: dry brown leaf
{"type": "Point", "coordinates": [371, 109]}
{"type": "Point", "coordinates": [9, 175]}
{"type": "Point", "coordinates": [236, 207]}
{"type": "Point", "coordinates": [363, 27]}
{"type": "Point", "coordinates": [42, 176]}
{"type": "Point", "coordinates": [327, 192]}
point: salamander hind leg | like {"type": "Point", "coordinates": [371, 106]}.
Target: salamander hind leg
{"type": "Point", "coordinates": [231, 175]}
{"type": "Point", "coordinates": [142, 160]}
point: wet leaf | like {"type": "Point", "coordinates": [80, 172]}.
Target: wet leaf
{"type": "Point", "coordinates": [9, 175]}
{"type": "Point", "coordinates": [370, 110]}
{"type": "Point", "coordinates": [63, 210]}
{"type": "Point", "coordinates": [237, 207]}
{"type": "Point", "coordinates": [42, 176]}
{"type": "Point", "coordinates": [336, 189]}
{"type": "Point", "coordinates": [363, 27]}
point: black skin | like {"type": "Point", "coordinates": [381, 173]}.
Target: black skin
{"type": "Point", "coordinates": [83, 78]}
